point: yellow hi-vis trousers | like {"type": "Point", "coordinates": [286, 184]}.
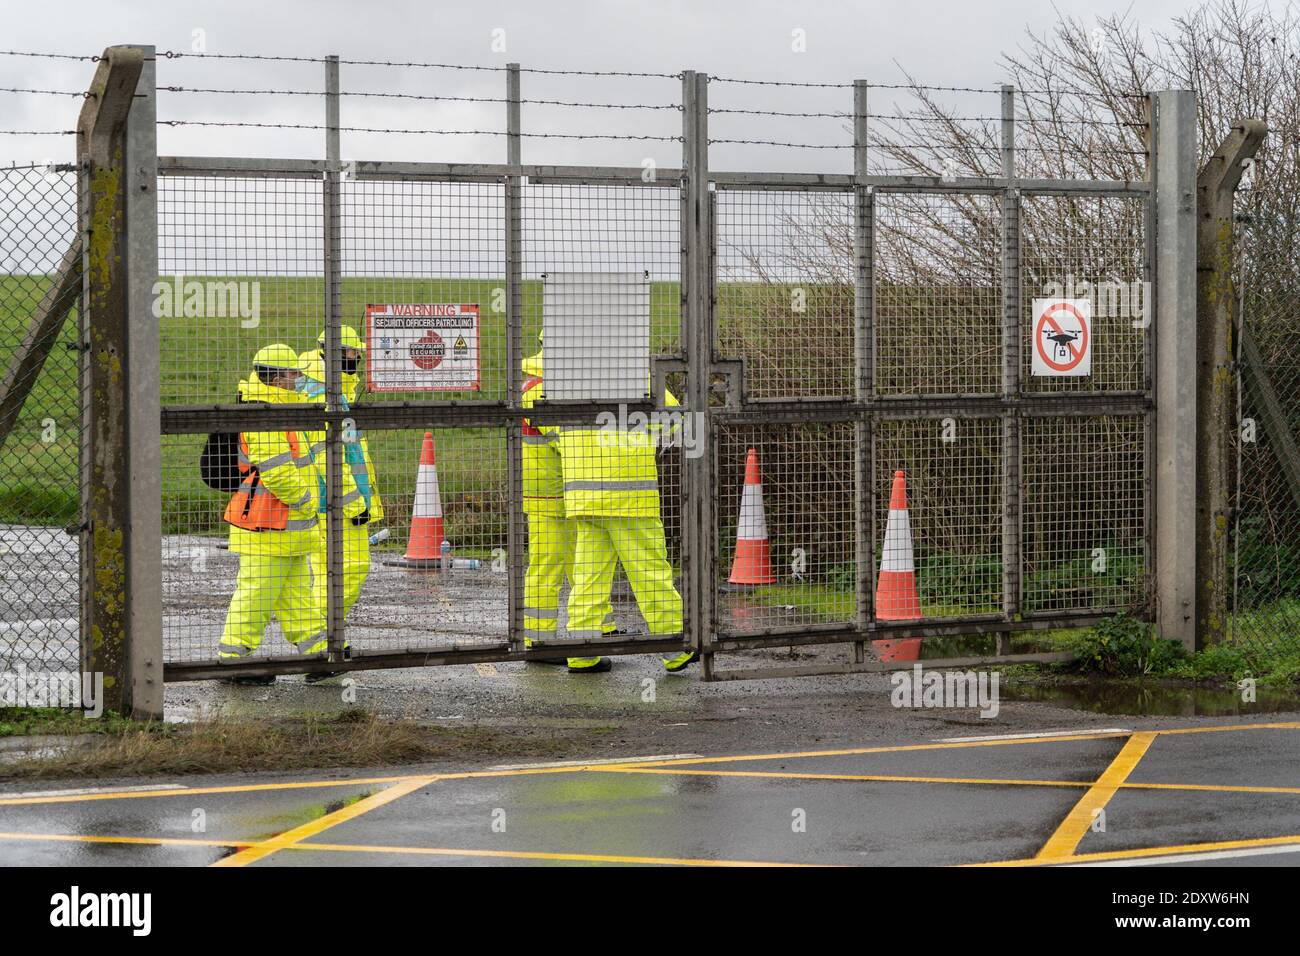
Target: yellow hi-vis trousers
{"type": "Point", "coordinates": [551, 540]}
{"type": "Point", "coordinates": [639, 544]}
{"type": "Point", "coordinates": [273, 584]}
{"type": "Point", "coordinates": [356, 565]}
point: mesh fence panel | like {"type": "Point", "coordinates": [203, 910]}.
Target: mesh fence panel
{"type": "Point", "coordinates": [1083, 514]}
{"type": "Point", "coordinates": [1265, 600]}
{"type": "Point", "coordinates": [786, 532]}
{"type": "Point", "coordinates": [938, 294]}
{"type": "Point", "coordinates": [954, 497]}
{"type": "Point", "coordinates": [602, 278]}
{"type": "Point", "coordinates": [785, 291]}
{"type": "Point", "coordinates": [40, 445]}
{"type": "Point", "coordinates": [240, 262]}
{"type": "Point", "coordinates": [1077, 247]}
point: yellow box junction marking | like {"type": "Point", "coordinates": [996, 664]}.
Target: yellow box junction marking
{"type": "Point", "coordinates": [1063, 842]}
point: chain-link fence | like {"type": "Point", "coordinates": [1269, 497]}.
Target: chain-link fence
{"type": "Point", "coordinates": [40, 418]}
{"type": "Point", "coordinates": [1265, 598]}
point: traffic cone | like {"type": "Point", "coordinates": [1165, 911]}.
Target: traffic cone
{"type": "Point", "coordinates": [753, 562]}
{"type": "Point", "coordinates": [896, 597]}
{"type": "Point", "coordinates": [424, 546]}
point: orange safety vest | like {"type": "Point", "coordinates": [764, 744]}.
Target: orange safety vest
{"type": "Point", "coordinates": [253, 507]}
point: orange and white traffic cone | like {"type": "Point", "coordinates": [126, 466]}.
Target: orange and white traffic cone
{"type": "Point", "coordinates": [752, 564]}
{"type": "Point", "coordinates": [896, 596]}
{"type": "Point", "coordinates": [424, 547]}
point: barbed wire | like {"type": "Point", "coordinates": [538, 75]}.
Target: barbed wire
{"type": "Point", "coordinates": [422, 96]}
{"type": "Point", "coordinates": [38, 132]}
{"type": "Point", "coordinates": [51, 56]}
{"type": "Point", "coordinates": [884, 144]}
{"type": "Point", "coordinates": [44, 167]}
{"type": "Point", "coordinates": [177, 54]}
{"type": "Point", "coordinates": [16, 89]}
{"type": "Point", "coordinates": [413, 64]}
{"type": "Point", "coordinates": [914, 87]}
{"type": "Point", "coordinates": [918, 87]}
{"type": "Point", "coordinates": [771, 142]}
{"type": "Point", "coordinates": [418, 132]}
{"type": "Point", "coordinates": [925, 118]}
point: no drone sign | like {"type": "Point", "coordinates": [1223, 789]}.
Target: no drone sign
{"type": "Point", "coordinates": [1062, 337]}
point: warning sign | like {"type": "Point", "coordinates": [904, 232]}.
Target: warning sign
{"type": "Point", "coordinates": [426, 347]}
{"type": "Point", "coordinates": [1062, 337]}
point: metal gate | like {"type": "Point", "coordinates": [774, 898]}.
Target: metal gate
{"type": "Point", "coordinates": [872, 324]}
{"type": "Point", "coordinates": [837, 329]}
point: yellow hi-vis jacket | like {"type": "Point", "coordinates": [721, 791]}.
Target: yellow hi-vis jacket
{"type": "Point", "coordinates": [359, 475]}
{"type": "Point", "coordinates": [542, 471]}
{"type": "Point", "coordinates": [291, 477]}
{"type": "Point", "coordinates": [610, 471]}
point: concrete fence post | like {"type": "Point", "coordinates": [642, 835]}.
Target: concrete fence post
{"type": "Point", "coordinates": [1174, 142]}
{"type": "Point", "coordinates": [121, 609]}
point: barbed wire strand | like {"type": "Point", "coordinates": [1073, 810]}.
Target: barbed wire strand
{"type": "Point", "coordinates": [17, 89]}
{"type": "Point", "coordinates": [421, 96]}
{"type": "Point", "coordinates": [417, 132]}
{"type": "Point", "coordinates": [51, 56]}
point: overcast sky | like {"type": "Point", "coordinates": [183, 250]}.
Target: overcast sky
{"type": "Point", "coordinates": [943, 43]}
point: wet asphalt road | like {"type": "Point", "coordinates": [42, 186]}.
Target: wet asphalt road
{"type": "Point", "coordinates": [816, 797]}
{"type": "Point", "coordinates": [1203, 792]}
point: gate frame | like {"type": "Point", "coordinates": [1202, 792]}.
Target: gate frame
{"type": "Point", "coordinates": [1170, 368]}
{"type": "Point", "coordinates": [1168, 415]}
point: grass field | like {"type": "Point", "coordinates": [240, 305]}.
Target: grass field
{"type": "Point", "coordinates": [202, 361]}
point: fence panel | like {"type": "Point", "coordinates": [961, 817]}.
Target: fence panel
{"type": "Point", "coordinates": [40, 438]}
{"type": "Point", "coordinates": [1265, 600]}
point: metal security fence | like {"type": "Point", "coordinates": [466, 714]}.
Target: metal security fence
{"type": "Point", "coordinates": [1265, 556]}
{"type": "Point", "coordinates": [40, 418]}
{"type": "Point", "coordinates": [812, 335]}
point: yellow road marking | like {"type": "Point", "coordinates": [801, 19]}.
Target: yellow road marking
{"type": "Point", "coordinates": [408, 850]}
{"type": "Point", "coordinates": [264, 849]}
{"type": "Point", "coordinates": [132, 841]}
{"type": "Point", "coordinates": [974, 742]}
{"type": "Point", "coordinates": [870, 778]}
{"type": "Point", "coordinates": [1063, 842]}
{"type": "Point", "coordinates": [529, 855]}
{"type": "Point", "coordinates": [1284, 725]}
{"type": "Point", "coordinates": [896, 778]}
{"type": "Point", "coordinates": [1208, 787]}
{"type": "Point", "coordinates": [896, 748]}
{"type": "Point", "coordinates": [291, 785]}
{"type": "Point", "coordinates": [1154, 851]}
{"type": "Point", "coordinates": [197, 791]}
{"type": "Point", "coordinates": [309, 784]}
{"type": "Point", "coordinates": [1150, 851]}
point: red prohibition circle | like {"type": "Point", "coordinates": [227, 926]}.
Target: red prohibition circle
{"type": "Point", "coordinates": [1083, 339]}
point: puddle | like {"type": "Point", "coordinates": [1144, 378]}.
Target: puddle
{"type": "Point", "coordinates": [1155, 700]}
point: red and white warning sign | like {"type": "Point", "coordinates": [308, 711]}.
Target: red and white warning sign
{"type": "Point", "coordinates": [1062, 335]}
{"type": "Point", "coordinates": [425, 347]}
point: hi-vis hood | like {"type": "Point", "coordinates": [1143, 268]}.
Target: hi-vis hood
{"type": "Point", "coordinates": [253, 389]}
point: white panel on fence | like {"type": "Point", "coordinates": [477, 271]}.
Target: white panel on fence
{"type": "Point", "coordinates": [1062, 337]}
{"type": "Point", "coordinates": [596, 336]}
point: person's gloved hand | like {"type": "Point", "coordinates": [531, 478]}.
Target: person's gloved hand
{"type": "Point", "coordinates": [362, 518]}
